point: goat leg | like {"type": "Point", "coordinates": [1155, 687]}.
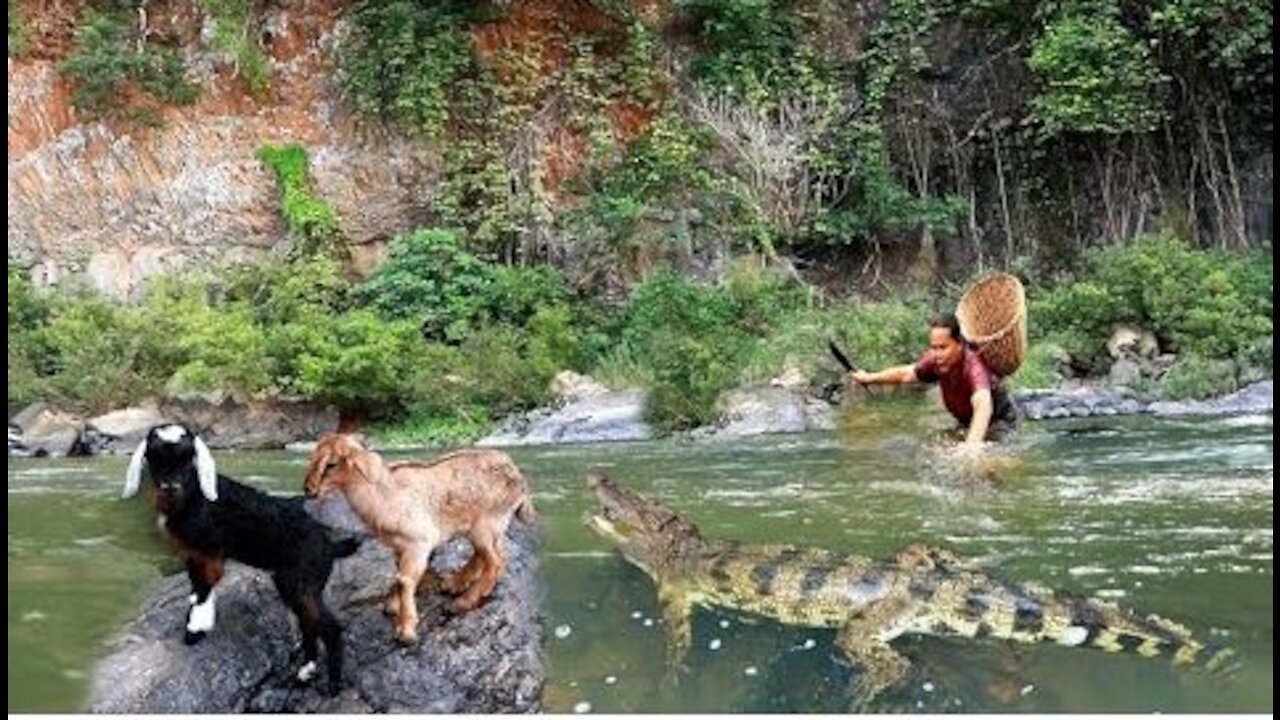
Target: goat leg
{"type": "Point", "coordinates": [489, 547]}
{"type": "Point", "coordinates": [204, 572]}
{"type": "Point", "coordinates": [410, 566]}
{"type": "Point", "coordinates": [331, 633]}
{"type": "Point", "coordinates": [458, 581]}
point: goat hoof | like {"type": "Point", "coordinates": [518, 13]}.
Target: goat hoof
{"type": "Point", "coordinates": [333, 688]}
{"type": "Point", "coordinates": [307, 671]}
{"type": "Point", "coordinates": [459, 607]}
{"type": "Point", "coordinates": [407, 639]}
{"type": "Point", "coordinates": [452, 584]}
{"type": "Point", "coordinates": [191, 638]}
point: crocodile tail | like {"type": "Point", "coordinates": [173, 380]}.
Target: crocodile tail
{"type": "Point", "coordinates": [1105, 626]}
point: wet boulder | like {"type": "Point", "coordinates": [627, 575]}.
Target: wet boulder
{"type": "Point", "coordinates": [488, 660]}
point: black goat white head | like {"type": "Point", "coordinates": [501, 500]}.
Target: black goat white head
{"type": "Point", "coordinates": [171, 453]}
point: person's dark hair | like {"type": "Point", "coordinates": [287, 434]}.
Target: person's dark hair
{"type": "Point", "coordinates": [950, 322]}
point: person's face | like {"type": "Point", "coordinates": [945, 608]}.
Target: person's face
{"type": "Point", "coordinates": [945, 350]}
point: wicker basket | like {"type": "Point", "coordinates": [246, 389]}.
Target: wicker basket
{"type": "Point", "coordinates": [993, 318]}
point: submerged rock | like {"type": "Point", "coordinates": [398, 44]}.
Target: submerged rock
{"type": "Point", "coordinates": [1250, 400]}
{"type": "Point", "coordinates": [487, 660]}
{"type": "Point", "coordinates": [612, 416]}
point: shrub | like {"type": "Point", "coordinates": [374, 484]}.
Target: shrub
{"type": "Point", "coordinates": [1211, 304]}
{"type": "Point", "coordinates": [429, 277]}
{"type": "Point", "coordinates": [312, 222]}
{"type": "Point", "coordinates": [1195, 377]}
{"type": "Point", "coordinates": [114, 75]}
{"type": "Point", "coordinates": [685, 335]}
{"type": "Point", "coordinates": [362, 362]}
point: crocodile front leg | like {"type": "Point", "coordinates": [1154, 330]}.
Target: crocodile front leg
{"type": "Point", "coordinates": [676, 619]}
{"type": "Point", "coordinates": [864, 642]}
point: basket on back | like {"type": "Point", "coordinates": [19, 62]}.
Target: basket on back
{"type": "Point", "coordinates": [993, 318]}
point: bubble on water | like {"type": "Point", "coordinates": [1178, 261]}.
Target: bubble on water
{"type": "Point", "coordinates": [563, 631]}
{"type": "Point", "coordinates": [751, 671]}
{"type": "Point", "coordinates": [592, 605]}
{"type": "Point", "coordinates": [1026, 690]}
{"type": "Point", "coordinates": [927, 687]}
{"type": "Point", "coordinates": [637, 615]}
{"type": "Point", "coordinates": [714, 644]}
{"type": "Point", "coordinates": [919, 703]}
{"type": "Point", "coordinates": [648, 622]}
{"type": "Point", "coordinates": [724, 624]}
{"type": "Point", "coordinates": [33, 616]}
{"type": "Point", "coordinates": [610, 680]}
{"type": "Point", "coordinates": [809, 644]}
{"type": "Point", "coordinates": [582, 707]}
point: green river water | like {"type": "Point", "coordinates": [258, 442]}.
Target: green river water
{"type": "Point", "coordinates": [1169, 516]}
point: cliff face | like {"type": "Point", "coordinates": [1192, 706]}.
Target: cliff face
{"type": "Point", "coordinates": [120, 203]}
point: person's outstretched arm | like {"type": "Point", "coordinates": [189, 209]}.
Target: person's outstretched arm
{"type": "Point", "coordinates": [898, 375]}
{"type": "Point", "coordinates": [982, 407]}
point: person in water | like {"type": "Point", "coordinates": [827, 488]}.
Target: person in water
{"type": "Point", "coordinates": [971, 392]}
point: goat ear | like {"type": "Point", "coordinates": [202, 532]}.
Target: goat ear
{"type": "Point", "coordinates": [133, 476]}
{"type": "Point", "coordinates": [363, 464]}
{"type": "Point", "coordinates": [205, 471]}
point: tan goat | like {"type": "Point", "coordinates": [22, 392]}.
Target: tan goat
{"type": "Point", "coordinates": [414, 507]}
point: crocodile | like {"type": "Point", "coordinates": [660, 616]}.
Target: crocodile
{"type": "Point", "coordinates": [871, 602]}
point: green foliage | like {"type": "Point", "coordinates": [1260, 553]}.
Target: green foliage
{"type": "Point", "coordinates": [754, 49]}
{"type": "Point", "coordinates": [430, 430]}
{"type": "Point", "coordinates": [1193, 377]}
{"type": "Point", "coordinates": [1040, 368]}
{"type": "Point", "coordinates": [282, 291]}
{"type": "Point", "coordinates": [226, 351]}
{"type": "Point", "coordinates": [100, 374]}
{"type": "Point", "coordinates": [406, 60]}
{"type": "Point", "coordinates": [684, 334]}
{"type": "Point", "coordinates": [1207, 303]}
{"type": "Point", "coordinates": [363, 361]}
{"type": "Point", "coordinates": [312, 222]}
{"type": "Point", "coordinates": [235, 35]}
{"type": "Point", "coordinates": [879, 201]}
{"type": "Point", "coordinates": [1099, 77]}
{"type": "Point", "coordinates": [116, 75]}
{"type": "Point", "coordinates": [1231, 35]}
{"type": "Point", "coordinates": [428, 276]}
{"type": "Point", "coordinates": [18, 41]}
{"type": "Point", "coordinates": [659, 200]}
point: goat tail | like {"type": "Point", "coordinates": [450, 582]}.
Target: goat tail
{"type": "Point", "coordinates": [345, 547]}
{"type": "Point", "coordinates": [525, 511]}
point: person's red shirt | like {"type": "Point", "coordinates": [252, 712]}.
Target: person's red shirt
{"type": "Point", "coordinates": [958, 386]}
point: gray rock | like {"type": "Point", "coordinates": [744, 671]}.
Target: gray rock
{"type": "Point", "coordinates": [488, 660]}
{"type": "Point", "coordinates": [762, 410]}
{"type": "Point", "coordinates": [819, 414]}
{"type": "Point", "coordinates": [50, 433]}
{"type": "Point", "coordinates": [1250, 400]}
{"type": "Point", "coordinates": [1124, 372]}
{"type": "Point", "coordinates": [120, 430]}
{"type": "Point", "coordinates": [17, 448]}
{"type": "Point", "coordinates": [1253, 373]}
{"type": "Point", "coordinates": [251, 425]}
{"type": "Point", "coordinates": [24, 418]}
{"type": "Point", "coordinates": [615, 416]}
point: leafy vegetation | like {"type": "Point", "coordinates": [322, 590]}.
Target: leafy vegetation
{"type": "Point", "coordinates": [312, 222]}
{"type": "Point", "coordinates": [118, 74]}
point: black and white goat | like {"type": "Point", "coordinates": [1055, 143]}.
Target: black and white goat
{"type": "Point", "coordinates": [208, 518]}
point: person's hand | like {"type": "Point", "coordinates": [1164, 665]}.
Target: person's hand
{"type": "Point", "coordinates": [969, 450]}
